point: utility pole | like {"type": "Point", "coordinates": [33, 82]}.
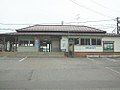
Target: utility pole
{"type": "Point", "coordinates": [62, 22]}
{"type": "Point", "coordinates": [118, 27]}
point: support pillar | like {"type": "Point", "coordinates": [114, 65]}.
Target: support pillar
{"type": "Point", "coordinates": [4, 44]}
{"type": "Point", "coordinates": [15, 43]}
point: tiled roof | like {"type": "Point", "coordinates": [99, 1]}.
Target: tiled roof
{"type": "Point", "coordinates": [60, 28]}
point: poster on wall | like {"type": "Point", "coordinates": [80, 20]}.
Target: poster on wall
{"type": "Point", "coordinates": [63, 45]}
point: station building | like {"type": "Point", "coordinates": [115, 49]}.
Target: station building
{"type": "Point", "coordinates": [73, 40]}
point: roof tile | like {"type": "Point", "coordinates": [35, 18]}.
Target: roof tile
{"type": "Point", "coordinates": [61, 28]}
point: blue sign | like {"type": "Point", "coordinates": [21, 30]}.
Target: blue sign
{"type": "Point", "coordinates": [90, 47]}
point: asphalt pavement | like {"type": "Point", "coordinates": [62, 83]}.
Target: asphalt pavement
{"type": "Point", "coordinates": [59, 73]}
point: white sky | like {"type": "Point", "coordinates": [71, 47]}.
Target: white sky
{"type": "Point", "coordinates": [55, 11]}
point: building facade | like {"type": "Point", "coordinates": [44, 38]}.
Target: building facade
{"type": "Point", "coordinates": [73, 40]}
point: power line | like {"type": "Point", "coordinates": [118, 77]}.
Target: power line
{"type": "Point", "coordinates": [93, 21]}
{"type": "Point", "coordinates": [6, 29]}
{"type": "Point", "coordinates": [104, 6]}
{"type": "Point", "coordinates": [27, 23]}
{"type": "Point", "coordinates": [90, 9]}
{"type": "Point", "coordinates": [14, 24]}
{"type": "Point", "coordinates": [58, 23]}
{"type": "Point", "coordinates": [100, 25]}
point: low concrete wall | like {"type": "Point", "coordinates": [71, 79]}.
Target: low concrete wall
{"type": "Point", "coordinates": [33, 54]}
{"type": "Point", "coordinates": [27, 49]}
{"type": "Point", "coordinates": [97, 54]}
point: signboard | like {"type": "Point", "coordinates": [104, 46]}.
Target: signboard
{"type": "Point", "coordinates": [90, 47]}
{"type": "Point", "coordinates": [108, 46]}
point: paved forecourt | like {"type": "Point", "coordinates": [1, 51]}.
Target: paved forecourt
{"type": "Point", "coordinates": [59, 73]}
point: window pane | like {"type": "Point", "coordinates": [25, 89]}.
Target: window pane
{"type": "Point", "coordinates": [82, 41]}
{"type": "Point", "coordinates": [76, 41]}
{"type": "Point", "coordinates": [87, 41]}
{"type": "Point", "coordinates": [98, 41]}
{"type": "Point", "coordinates": [108, 47]}
{"type": "Point", "coordinates": [25, 43]}
{"type": "Point", "coordinates": [31, 43]}
{"type": "Point", "coordinates": [21, 43]}
{"type": "Point", "coordinates": [93, 41]}
{"type": "Point", "coordinates": [71, 39]}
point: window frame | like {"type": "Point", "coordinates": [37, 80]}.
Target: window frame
{"type": "Point", "coordinates": [108, 42]}
{"type": "Point", "coordinates": [90, 41]}
{"type": "Point", "coordinates": [86, 41]}
{"type": "Point", "coordinates": [75, 41]}
{"type": "Point", "coordinates": [96, 41]}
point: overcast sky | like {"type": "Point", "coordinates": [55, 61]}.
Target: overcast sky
{"type": "Point", "coordinates": [55, 11]}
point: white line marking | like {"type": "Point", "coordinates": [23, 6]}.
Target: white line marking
{"type": "Point", "coordinates": [111, 59]}
{"type": "Point", "coordinates": [90, 59]}
{"type": "Point", "coordinates": [112, 70]}
{"type": "Point", "coordinates": [23, 59]}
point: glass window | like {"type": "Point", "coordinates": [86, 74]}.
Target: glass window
{"type": "Point", "coordinates": [108, 46]}
{"type": "Point", "coordinates": [31, 43]}
{"type": "Point", "coordinates": [26, 43]}
{"type": "Point", "coordinates": [89, 41]}
{"type": "Point", "coordinates": [98, 41]}
{"type": "Point", "coordinates": [1, 41]}
{"type": "Point", "coordinates": [71, 39]}
{"type": "Point", "coordinates": [82, 41]}
{"type": "Point", "coordinates": [21, 43]}
{"type": "Point", "coordinates": [85, 41]}
{"type": "Point", "coordinates": [95, 41]}
{"type": "Point", "coordinates": [76, 41]}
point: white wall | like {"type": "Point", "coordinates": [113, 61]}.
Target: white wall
{"type": "Point", "coordinates": [88, 48]}
{"type": "Point", "coordinates": [81, 48]}
{"type": "Point", "coordinates": [116, 42]}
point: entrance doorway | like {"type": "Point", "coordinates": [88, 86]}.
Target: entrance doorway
{"type": "Point", "coordinates": [45, 46]}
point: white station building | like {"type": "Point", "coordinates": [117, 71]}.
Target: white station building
{"type": "Point", "coordinates": [73, 40]}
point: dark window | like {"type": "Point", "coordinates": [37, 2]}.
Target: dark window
{"type": "Point", "coordinates": [26, 43]}
{"type": "Point", "coordinates": [1, 41]}
{"type": "Point", "coordinates": [82, 41]}
{"type": "Point", "coordinates": [76, 41]}
{"type": "Point", "coordinates": [95, 41]}
{"type": "Point", "coordinates": [98, 41]}
{"type": "Point", "coordinates": [71, 39]}
{"type": "Point", "coordinates": [21, 43]}
{"type": "Point", "coordinates": [85, 41]}
{"type": "Point", "coordinates": [31, 43]}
